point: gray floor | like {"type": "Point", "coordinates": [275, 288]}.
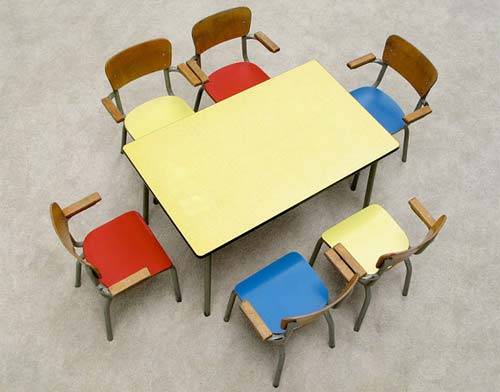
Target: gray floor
{"type": "Point", "coordinates": [58, 143]}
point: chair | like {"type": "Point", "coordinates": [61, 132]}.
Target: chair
{"type": "Point", "coordinates": [137, 61]}
{"type": "Point", "coordinates": [117, 255]}
{"type": "Point", "coordinates": [370, 242]}
{"type": "Point", "coordinates": [283, 297]}
{"type": "Point", "coordinates": [236, 77]}
{"type": "Point", "coordinates": [412, 65]}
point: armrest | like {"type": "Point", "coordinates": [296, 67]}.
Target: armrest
{"type": "Point", "coordinates": [268, 43]}
{"type": "Point", "coordinates": [417, 114]}
{"type": "Point", "coordinates": [193, 65]}
{"type": "Point", "coordinates": [113, 110]}
{"type": "Point", "coordinates": [419, 209]}
{"type": "Point", "coordinates": [349, 259]}
{"type": "Point", "coordinates": [190, 76]}
{"type": "Point", "coordinates": [367, 58]}
{"type": "Point", "coordinates": [129, 281]}
{"type": "Point", "coordinates": [81, 205]}
{"type": "Point", "coordinates": [339, 264]}
{"type": "Point", "coordinates": [259, 324]}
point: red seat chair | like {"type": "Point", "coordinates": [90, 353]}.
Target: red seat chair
{"type": "Point", "coordinates": [236, 77]}
{"type": "Point", "coordinates": [117, 255]}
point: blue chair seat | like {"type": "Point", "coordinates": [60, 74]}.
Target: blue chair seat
{"type": "Point", "coordinates": [288, 287]}
{"type": "Point", "coordinates": [381, 106]}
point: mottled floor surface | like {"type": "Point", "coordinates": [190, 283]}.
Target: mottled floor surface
{"type": "Point", "coordinates": [58, 143]}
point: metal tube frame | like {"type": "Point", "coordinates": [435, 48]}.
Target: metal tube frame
{"type": "Point", "coordinates": [369, 185]}
{"type": "Point", "coordinates": [230, 305]}
{"type": "Point", "coordinates": [175, 283]}
{"type": "Point", "coordinates": [408, 276]}
{"type": "Point", "coordinates": [145, 204]}
{"type": "Point", "coordinates": [315, 252]}
{"type": "Point", "coordinates": [208, 284]}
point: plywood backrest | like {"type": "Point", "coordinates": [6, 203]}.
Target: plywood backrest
{"type": "Point", "coordinates": [61, 227]}
{"type": "Point", "coordinates": [221, 27]}
{"type": "Point", "coordinates": [137, 61]}
{"type": "Point", "coordinates": [397, 257]}
{"type": "Point", "coordinates": [410, 63]}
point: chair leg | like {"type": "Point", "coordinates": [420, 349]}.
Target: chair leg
{"type": "Point", "coordinates": [107, 318]}
{"type": "Point", "coordinates": [331, 329]}
{"type": "Point", "coordinates": [230, 305]}
{"type": "Point", "coordinates": [175, 282]}
{"type": "Point", "coordinates": [78, 274]}
{"type": "Point", "coordinates": [314, 255]}
{"type": "Point", "coordinates": [279, 366]}
{"type": "Point", "coordinates": [198, 99]}
{"type": "Point", "coordinates": [355, 179]}
{"type": "Point", "coordinates": [368, 296]}
{"type": "Point", "coordinates": [405, 143]}
{"type": "Point", "coordinates": [408, 277]}
{"type": "Point", "coordinates": [124, 138]}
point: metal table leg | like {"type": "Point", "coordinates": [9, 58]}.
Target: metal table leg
{"type": "Point", "coordinates": [208, 284]}
{"type": "Point", "coordinates": [369, 185]}
{"type": "Point", "coordinates": [145, 204]}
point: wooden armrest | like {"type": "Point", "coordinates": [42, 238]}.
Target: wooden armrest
{"type": "Point", "coordinates": [367, 58]}
{"type": "Point", "coordinates": [190, 76]}
{"type": "Point", "coordinates": [268, 43]}
{"type": "Point", "coordinates": [113, 110]}
{"type": "Point", "coordinates": [193, 65]}
{"type": "Point", "coordinates": [417, 114]}
{"type": "Point", "coordinates": [259, 324]}
{"type": "Point", "coordinates": [419, 209]}
{"type": "Point", "coordinates": [81, 205]}
{"type": "Point", "coordinates": [129, 281]}
{"type": "Point", "coordinates": [347, 289]}
{"type": "Point", "coordinates": [349, 260]}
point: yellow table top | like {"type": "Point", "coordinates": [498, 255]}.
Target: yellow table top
{"type": "Point", "coordinates": [229, 168]}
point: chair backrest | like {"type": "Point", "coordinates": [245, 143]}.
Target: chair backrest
{"type": "Point", "coordinates": [410, 63]}
{"type": "Point", "coordinates": [220, 27]}
{"type": "Point", "coordinates": [308, 318]}
{"type": "Point", "coordinates": [137, 61]}
{"type": "Point", "coordinates": [61, 227]}
{"type": "Point", "coordinates": [389, 260]}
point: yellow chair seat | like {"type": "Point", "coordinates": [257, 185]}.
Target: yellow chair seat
{"type": "Point", "coordinates": [155, 114]}
{"type": "Point", "coordinates": [367, 235]}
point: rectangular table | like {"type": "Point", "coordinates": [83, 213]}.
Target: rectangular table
{"type": "Point", "coordinates": [235, 165]}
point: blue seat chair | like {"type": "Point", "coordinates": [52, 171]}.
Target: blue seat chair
{"type": "Point", "coordinates": [283, 297]}
{"type": "Point", "coordinates": [412, 65]}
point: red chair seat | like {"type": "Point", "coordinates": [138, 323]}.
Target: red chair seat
{"type": "Point", "coordinates": [124, 246]}
{"type": "Point", "coordinates": [232, 79]}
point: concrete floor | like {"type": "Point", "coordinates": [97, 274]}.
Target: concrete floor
{"type": "Point", "coordinates": [58, 143]}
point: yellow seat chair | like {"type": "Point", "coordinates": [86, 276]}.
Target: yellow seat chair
{"type": "Point", "coordinates": [137, 61]}
{"type": "Point", "coordinates": [370, 242]}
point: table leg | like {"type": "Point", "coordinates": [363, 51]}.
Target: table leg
{"type": "Point", "coordinates": [208, 284]}
{"type": "Point", "coordinates": [369, 185]}
{"type": "Point", "coordinates": [145, 204]}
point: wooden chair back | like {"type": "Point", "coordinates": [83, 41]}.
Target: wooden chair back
{"type": "Point", "coordinates": [137, 61]}
{"type": "Point", "coordinates": [220, 27]}
{"type": "Point", "coordinates": [389, 260]}
{"type": "Point", "coordinates": [309, 318]}
{"type": "Point", "coordinates": [410, 63]}
{"type": "Point", "coordinates": [61, 227]}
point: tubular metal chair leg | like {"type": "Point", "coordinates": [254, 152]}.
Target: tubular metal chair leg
{"type": "Point", "coordinates": [230, 305]}
{"type": "Point", "coordinates": [314, 255]}
{"type": "Point", "coordinates": [331, 329]}
{"type": "Point", "coordinates": [355, 179]}
{"type": "Point", "coordinates": [124, 139]}
{"type": "Point", "coordinates": [198, 99]}
{"type": "Point", "coordinates": [107, 318]}
{"type": "Point", "coordinates": [208, 284]}
{"type": "Point", "coordinates": [145, 204]}
{"type": "Point", "coordinates": [175, 282]}
{"type": "Point", "coordinates": [78, 274]}
{"type": "Point", "coordinates": [279, 366]}
{"type": "Point", "coordinates": [408, 277]}
{"type": "Point", "coordinates": [368, 296]}
{"type": "Point", "coordinates": [405, 143]}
